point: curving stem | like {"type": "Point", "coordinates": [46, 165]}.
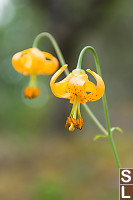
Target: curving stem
{"type": "Point", "coordinates": [104, 101]}
{"type": "Point", "coordinates": [55, 45]}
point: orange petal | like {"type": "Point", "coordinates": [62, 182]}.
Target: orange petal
{"type": "Point", "coordinates": [51, 64]}
{"type": "Point", "coordinates": [76, 86]}
{"type": "Point", "coordinates": [59, 89]}
{"type": "Point", "coordinates": [97, 91]}
{"type": "Point", "coordinates": [89, 86]}
{"type": "Point", "coordinates": [29, 61]}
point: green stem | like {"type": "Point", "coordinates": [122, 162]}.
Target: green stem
{"type": "Point", "coordinates": [95, 119]}
{"type": "Point", "coordinates": [55, 45]}
{"type": "Point", "coordinates": [104, 102]}
{"type": "Point", "coordinates": [114, 151]}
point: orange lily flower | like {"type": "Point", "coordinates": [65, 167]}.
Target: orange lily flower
{"type": "Point", "coordinates": [77, 87]}
{"type": "Point", "coordinates": [34, 62]}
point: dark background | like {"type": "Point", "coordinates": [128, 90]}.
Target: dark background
{"type": "Point", "coordinates": [39, 159]}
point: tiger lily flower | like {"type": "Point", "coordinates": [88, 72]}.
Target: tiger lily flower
{"type": "Point", "coordinates": [34, 62]}
{"type": "Point", "coordinates": [77, 87]}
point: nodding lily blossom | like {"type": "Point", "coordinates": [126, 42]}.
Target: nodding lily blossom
{"type": "Point", "coordinates": [77, 87]}
{"type": "Point", "coordinates": [34, 62]}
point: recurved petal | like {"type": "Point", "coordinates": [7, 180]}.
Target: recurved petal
{"type": "Point", "coordinates": [21, 63]}
{"type": "Point", "coordinates": [89, 86]}
{"type": "Point", "coordinates": [97, 91]}
{"type": "Point", "coordinates": [59, 89]}
{"type": "Point", "coordinates": [51, 64]}
{"type": "Point", "coordinates": [29, 61]}
{"type": "Point", "coordinates": [16, 62]}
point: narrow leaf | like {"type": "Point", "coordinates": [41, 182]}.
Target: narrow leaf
{"type": "Point", "coordinates": [99, 136]}
{"type": "Point", "coordinates": [116, 128]}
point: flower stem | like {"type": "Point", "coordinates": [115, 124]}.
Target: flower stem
{"type": "Point", "coordinates": [55, 45]}
{"type": "Point", "coordinates": [111, 140]}
{"type": "Point", "coordinates": [104, 103]}
{"type": "Point", "coordinates": [95, 119]}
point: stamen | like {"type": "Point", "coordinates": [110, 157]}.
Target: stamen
{"type": "Point", "coordinates": [28, 92]}
{"type": "Point", "coordinates": [68, 122]}
{"type": "Point", "coordinates": [72, 121]}
{"type": "Point", "coordinates": [36, 92]}
{"type": "Point", "coordinates": [80, 123]}
{"type": "Point", "coordinates": [31, 92]}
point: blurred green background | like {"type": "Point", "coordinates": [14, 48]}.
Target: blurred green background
{"type": "Point", "coordinates": [39, 159]}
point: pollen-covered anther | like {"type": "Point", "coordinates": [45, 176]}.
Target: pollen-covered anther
{"type": "Point", "coordinates": [36, 92]}
{"type": "Point", "coordinates": [76, 123]}
{"type": "Point", "coordinates": [68, 122]}
{"type": "Point", "coordinates": [80, 123]}
{"type": "Point", "coordinates": [31, 92]}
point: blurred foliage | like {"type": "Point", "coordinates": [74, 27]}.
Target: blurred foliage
{"type": "Point", "coordinates": [50, 190]}
{"type": "Point", "coordinates": [64, 165]}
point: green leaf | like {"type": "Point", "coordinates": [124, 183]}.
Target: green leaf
{"type": "Point", "coordinates": [99, 136]}
{"type": "Point", "coordinates": [116, 128]}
